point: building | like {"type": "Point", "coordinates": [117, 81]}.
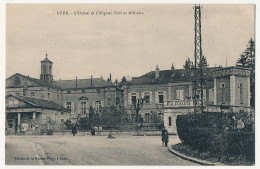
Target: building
{"type": "Point", "coordinates": [32, 116]}
{"type": "Point", "coordinates": [166, 94]}
{"type": "Point", "coordinates": [170, 92]}
{"type": "Point", "coordinates": [75, 96]}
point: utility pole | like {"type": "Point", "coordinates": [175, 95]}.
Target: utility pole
{"type": "Point", "coordinates": [198, 70]}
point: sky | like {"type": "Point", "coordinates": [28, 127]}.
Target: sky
{"type": "Point", "coordinates": [121, 44]}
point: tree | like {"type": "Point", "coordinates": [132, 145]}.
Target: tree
{"type": "Point", "coordinates": [112, 116]}
{"type": "Point", "coordinates": [204, 64]}
{"type": "Point", "coordinates": [136, 106]}
{"type": "Point", "coordinates": [123, 80]}
{"type": "Point", "coordinates": [116, 82]}
{"type": "Point", "coordinates": [247, 60]}
{"type": "Point", "coordinates": [188, 64]}
{"type": "Point", "coordinates": [68, 124]}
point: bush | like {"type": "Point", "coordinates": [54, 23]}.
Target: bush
{"type": "Point", "coordinates": [49, 132]}
{"type": "Point", "coordinates": [204, 132]}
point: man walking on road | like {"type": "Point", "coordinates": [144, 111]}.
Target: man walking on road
{"type": "Point", "coordinates": [74, 130]}
{"type": "Point", "coordinates": [165, 137]}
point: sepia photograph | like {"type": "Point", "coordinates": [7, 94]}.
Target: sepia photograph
{"type": "Point", "coordinates": [129, 84]}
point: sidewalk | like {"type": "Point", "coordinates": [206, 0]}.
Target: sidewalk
{"type": "Point", "coordinates": [175, 140]}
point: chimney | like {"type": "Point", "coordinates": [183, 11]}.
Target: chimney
{"type": "Point", "coordinates": [157, 72]}
{"type": "Point", "coordinates": [110, 77]}
{"type": "Point", "coordinates": [76, 81]}
{"type": "Point", "coordinates": [91, 81]}
{"type": "Point", "coordinates": [172, 70]}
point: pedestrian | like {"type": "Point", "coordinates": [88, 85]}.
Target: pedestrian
{"type": "Point", "coordinates": [165, 137]}
{"type": "Point", "coordinates": [74, 129]}
{"type": "Point", "coordinates": [92, 131]}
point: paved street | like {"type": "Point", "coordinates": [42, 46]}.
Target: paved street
{"type": "Point", "coordinates": [88, 150]}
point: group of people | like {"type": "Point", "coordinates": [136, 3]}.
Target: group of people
{"type": "Point", "coordinates": [165, 135]}
{"type": "Point", "coordinates": [74, 130]}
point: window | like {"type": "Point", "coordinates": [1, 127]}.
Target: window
{"type": "Point", "coordinates": [25, 83]}
{"type": "Point", "coordinates": [43, 69]}
{"type": "Point", "coordinates": [241, 93]}
{"type": "Point", "coordinates": [49, 95]}
{"type": "Point", "coordinates": [68, 105]}
{"type": "Point", "coordinates": [62, 113]}
{"type": "Point", "coordinates": [98, 105]}
{"type": "Point", "coordinates": [57, 96]}
{"type": "Point", "coordinates": [69, 91]}
{"type": "Point", "coordinates": [62, 120]}
{"type": "Point", "coordinates": [179, 94]}
{"type": "Point", "coordinates": [147, 97]}
{"type": "Point", "coordinates": [222, 86]}
{"type": "Point", "coordinates": [10, 103]}
{"type": "Point", "coordinates": [133, 97]}
{"type": "Point", "coordinates": [211, 95]}
{"type": "Point", "coordinates": [83, 91]}
{"type": "Point", "coordinates": [160, 95]}
{"type": "Point", "coordinates": [32, 94]}
{"type": "Point", "coordinates": [147, 117]}
{"type": "Point", "coordinates": [17, 81]}
{"type": "Point", "coordinates": [13, 103]}
{"type": "Point", "coordinates": [17, 94]}
{"type": "Point", "coordinates": [170, 121]}
{"type": "Point", "coordinates": [83, 106]}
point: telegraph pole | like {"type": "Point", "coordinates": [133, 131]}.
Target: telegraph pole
{"type": "Point", "coordinates": [198, 73]}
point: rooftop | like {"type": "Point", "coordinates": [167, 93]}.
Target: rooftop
{"type": "Point", "coordinates": [40, 103]}
{"type": "Point", "coordinates": [169, 76]}
{"type": "Point", "coordinates": [82, 83]}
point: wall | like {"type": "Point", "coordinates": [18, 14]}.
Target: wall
{"type": "Point", "coordinates": [173, 113]}
{"type": "Point", "coordinates": [147, 108]}
{"type": "Point", "coordinates": [225, 80]}
{"type": "Point", "coordinates": [246, 87]}
{"type": "Point", "coordinates": [114, 133]}
{"type": "Point", "coordinates": [105, 95]}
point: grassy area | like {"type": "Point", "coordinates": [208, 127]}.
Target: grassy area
{"type": "Point", "coordinates": [228, 160]}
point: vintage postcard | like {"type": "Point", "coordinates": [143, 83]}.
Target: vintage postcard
{"type": "Point", "coordinates": [129, 84]}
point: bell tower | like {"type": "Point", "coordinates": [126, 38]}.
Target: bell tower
{"type": "Point", "coordinates": [46, 70]}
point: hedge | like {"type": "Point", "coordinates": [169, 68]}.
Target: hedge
{"type": "Point", "coordinates": [204, 132]}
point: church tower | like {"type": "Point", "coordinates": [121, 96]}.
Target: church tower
{"type": "Point", "coordinates": [46, 70]}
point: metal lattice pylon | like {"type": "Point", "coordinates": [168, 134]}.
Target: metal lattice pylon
{"type": "Point", "coordinates": [198, 95]}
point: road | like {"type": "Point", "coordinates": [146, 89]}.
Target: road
{"type": "Point", "coordinates": [89, 150]}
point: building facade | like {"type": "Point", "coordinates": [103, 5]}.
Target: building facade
{"type": "Point", "coordinates": [171, 92]}
{"type": "Point", "coordinates": [74, 96]}
{"type": "Point", "coordinates": [166, 94]}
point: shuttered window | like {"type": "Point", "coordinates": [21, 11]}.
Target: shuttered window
{"type": "Point", "coordinates": [180, 94]}
{"type": "Point", "coordinates": [70, 106]}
